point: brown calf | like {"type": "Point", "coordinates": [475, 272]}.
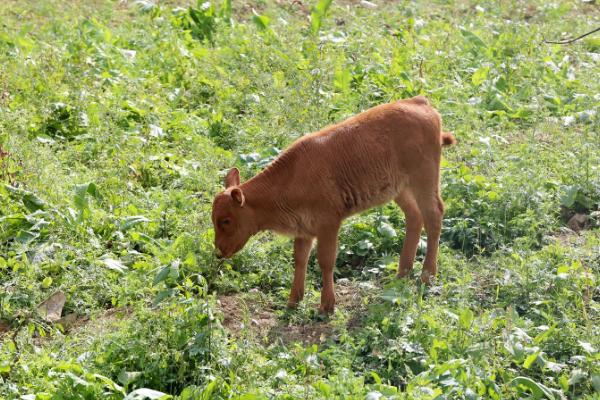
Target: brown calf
{"type": "Point", "coordinates": [389, 152]}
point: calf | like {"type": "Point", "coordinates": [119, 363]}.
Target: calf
{"type": "Point", "coordinates": [389, 152]}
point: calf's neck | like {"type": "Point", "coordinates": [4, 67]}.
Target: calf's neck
{"type": "Point", "coordinates": [389, 152]}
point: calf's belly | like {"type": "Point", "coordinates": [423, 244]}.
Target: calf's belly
{"type": "Point", "coordinates": [361, 197]}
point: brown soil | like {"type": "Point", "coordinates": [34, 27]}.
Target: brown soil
{"type": "Point", "coordinates": [566, 236]}
{"type": "Point", "coordinates": [4, 327]}
{"type": "Point", "coordinates": [250, 314]}
{"type": "Point", "coordinates": [99, 323]}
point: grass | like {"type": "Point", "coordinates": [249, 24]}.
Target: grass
{"type": "Point", "coordinates": [119, 119]}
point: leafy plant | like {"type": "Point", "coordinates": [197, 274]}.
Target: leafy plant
{"type": "Point", "coordinates": [64, 122]}
{"type": "Point", "coordinates": [318, 14]}
{"type": "Point", "coordinates": [199, 20]}
{"type": "Point", "coordinates": [117, 124]}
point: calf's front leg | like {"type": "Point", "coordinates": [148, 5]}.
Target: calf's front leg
{"type": "Point", "coordinates": [302, 248]}
{"type": "Point", "coordinates": [326, 254]}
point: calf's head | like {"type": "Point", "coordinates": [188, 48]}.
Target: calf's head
{"type": "Point", "coordinates": [231, 217]}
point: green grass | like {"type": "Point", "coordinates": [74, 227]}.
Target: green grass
{"type": "Point", "coordinates": [119, 119]}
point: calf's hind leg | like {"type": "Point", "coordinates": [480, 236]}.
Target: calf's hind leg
{"type": "Point", "coordinates": [432, 210]}
{"type": "Point", "coordinates": [414, 225]}
{"type": "Point", "coordinates": [302, 248]}
{"type": "Point", "coordinates": [326, 254]}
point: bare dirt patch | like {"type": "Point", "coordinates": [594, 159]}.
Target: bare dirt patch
{"type": "Point", "coordinates": [4, 327]}
{"type": "Point", "coordinates": [241, 312]}
{"type": "Point", "coordinates": [568, 238]}
{"type": "Point", "coordinates": [99, 323]}
{"type": "Point", "coordinates": [252, 314]}
{"type": "Point", "coordinates": [565, 236]}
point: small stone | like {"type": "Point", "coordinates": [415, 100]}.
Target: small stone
{"type": "Point", "coordinates": [577, 222]}
{"type": "Point", "coordinates": [68, 321]}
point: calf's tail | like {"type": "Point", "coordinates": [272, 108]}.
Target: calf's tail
{"type": "Point", "coordinates": [448, 139]}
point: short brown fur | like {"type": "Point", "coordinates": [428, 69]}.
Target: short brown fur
{"type": "Point", "coordinates": [389, 152]}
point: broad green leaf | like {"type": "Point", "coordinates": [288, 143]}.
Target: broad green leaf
{"type": "Point", "coordinates": [4, 367]}
{"type": "Point", "coordinates": [130, 222]}
{"type": "Point", "coordinates": [170, 271]}
{"type": "Point", "coordinates": [261, 21]}
{"type": "Point", "coordinates": [584, 200]}
{"type": "Point", "coordinates": [342, 79]}
{"type": "Point", "coordinates": [47, 282]}
{"type": "Point", "coordinates": [386, 230]}
{"type": "Point", "coordinates": [466, 318]}
{"type": "Point", "coordinates": [162, 275]}
{"type": "Point", "coordinates": [162, 295]}
{"type": "Point", "coordinates": [226, 9]}
{"type": "Point", "coordinates": [498, 103]}
{"type": "Point", "coordinates": [145, 6]}
{"type": "Point", "coordinates": [363, 247]}
{"type": "Point", "coordinates": [530, 360]}
{"type": "Point", "coordinates": [587, 347]}
{"type": "Point", "coordinates": [30, 200]}
{"type": "Point", "coordinates": [323, 388]}
{"type": "Point", "coordinates": [208, 390]}
{"type": "Point", "coordinates": [115, 265]}
{"type": "Point", "coordinates": [374, 395]}
{"type": "Point", "coordinates": [93, 190]}
{"type": "Point", "coordinates": [577, 376]}
{"type": "Point", "coordinates": [596, 383]}
{"type": "Point", "coordinates": [521, 113]}
{"type": "Point", "coordinates": [473, 38]}
{"type": "Point", "coordinates": [501, 84]}
{"type": "Point", "coordinates": [537, 389]}
{"type": "Point", "coordinates": [25, 237]}
{"type": "Point", "coordinates": [593, 43]}
{"type": "Point", "coordinates": [318, 13]}
{"type": "Point", "coordinates": [156, 131]}
{"type": "Point", "coordinates": [109, 383]}
{"type": "Point", "coordinates": [480, 76]}
{"type": "Point", "coordinates": [127, 377]}
{"type": "Point", "coordinates": [391, 295]}
{"type": "Point", "coordinates": [569, 195]}
{"type": "Point", "coordinates": [190, 393]}
{"type": "Point", "coordinates": [81, 200]}
{"type": "Point", "coordinates": [376, 377]}
{"type": "Point", "coordinates": [147, 394]}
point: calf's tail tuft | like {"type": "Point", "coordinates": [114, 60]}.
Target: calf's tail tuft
{"type": "Point", "coordinates": [448, 139]}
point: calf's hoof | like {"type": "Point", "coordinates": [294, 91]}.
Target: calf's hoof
{"type": "Point", "coordinates": [292, 305]}
{"type": "Point", "coordinates": [402, 273]}
{"type": "Point", "coordinates": [427, 278]}
{"type": "Point", "coordinates": [326, 310]}
{"type": "Point", "coordinates": [327, 306]}
{"type": "Point", "coordinates": [295, 299]}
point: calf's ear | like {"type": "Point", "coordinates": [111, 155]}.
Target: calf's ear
{"type": "Point", "coordinates": [232, 178]}
{"type": "Point", "coordinates": [238, 196]}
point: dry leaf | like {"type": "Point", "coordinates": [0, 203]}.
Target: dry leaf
{"type": "Point", "coordinates": [51, 308]}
